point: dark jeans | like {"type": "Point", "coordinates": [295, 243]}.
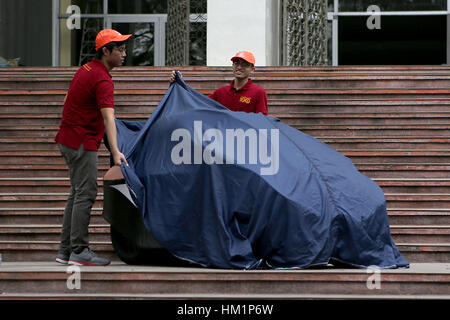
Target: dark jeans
{"type": "Point", "coordinates": [83, 191]}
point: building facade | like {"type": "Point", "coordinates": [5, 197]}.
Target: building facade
{"type": "Point", "coordinates": [357, 32]}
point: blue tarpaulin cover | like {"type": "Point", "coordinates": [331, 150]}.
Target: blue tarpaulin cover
{"type": "Point", "coordinates": [241, 190]}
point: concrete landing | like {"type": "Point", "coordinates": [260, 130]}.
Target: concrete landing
{"type": "Point", "coordinates": [49, 280]}
{"type": "Point", "coordinates": [118, 266]}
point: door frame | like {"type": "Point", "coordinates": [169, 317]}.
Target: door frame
{"type": "Point", "coordinates": [159, 20]}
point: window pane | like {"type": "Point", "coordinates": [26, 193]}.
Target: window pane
{"type": "Point", "coordinates": [26, 32]}
{"type": "Point", "coordinates": [137, 6]}
{"type": "Point", "coordinates": [413, 40]}
{"type": "Point", "coordinates": [197, 32]}
{"type": "Point", "coordinates": [89, 6]}
{"type": "Point", "coordinates": [197, 44]}
{"type": "Point", "coordinates": [77, 46]}
{"type": "Point", "coordinates": [397, 5]}
{"type": "Point", "coordinates": [197, 6]}
{"type": "Point", "coordinates": [330, 5]}
{"type": "Point", "coordinates": [141, 47]}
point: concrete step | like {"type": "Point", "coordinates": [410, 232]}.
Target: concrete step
{"type": "Point", "coordinates": [428, 216]}
{"type": "Point", "coordinates": [275, 106]}
{"type": "Point", "coordinates": [338, 130]}
{"type": "Point", "coordinates": [304, 93]}
{"type": "Point", "coordinates": [38, 200]}
{"type": "Point", "coordinates": [138, 80]}
{"type": "Point", "coordinates": [284, 303]}
{"type": "Point", "coordinates": [48, 216]}
{"type": "Point", "coordinates": [439, 234]}
{"type": "Point", "coordinates": [53, 156]}
{"type": "Point", "coordinates": [53, 215]}
{"type": "Point", "coordinates": [46, 250]}
{"type": "Point", "coordinates": [54, 119]}
{"type": "Point", "coordinates": [418, 201]}
{"type": "Point", "coordinates": [51, 123]}
{"type": "Point", "coordinates": [55, 185]}
{"type": "Point", "coordinates": [344, 70]}
{"type": "Point", "coordinates": [425, 252]}
{"type": "Point", "coordinates": [41, 232]}
{"type": "Point", "coordinates": [36, 185]}
{"type": "Point", "coordinates": [421, 234]}
{"type": "Point", "coordinates": [416, 186]}
{"type": "Point", "coordinates": [358, 117]}
{"type": "Point", "coordinates": [398, 157]}
{"type": "Point", "coordinates": [355, 144]}
{"type": "Point", "coordinates": [349, 106]}
{"type": "Point", "coordinates": [42, 170]}
{"type": "Point", "coordinates": [372, 170]}
{"type": "Point", "coordinates": [21, 143]}
{"type": "Point", "coordinates": [406, 170]}
{"type": "Point", "coordinates": [58, 199]}
{"type": "Point", "coordinates": [47, 278]}
{"type": "Point", "coordinates": [339, 143]}
{"type": "Point", "coordinates": [49, 117]}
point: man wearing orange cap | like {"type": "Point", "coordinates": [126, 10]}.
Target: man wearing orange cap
{"type": "Point", "coordinates": [241, 94]}
{"type": "Point", "coordinates": [88, 113]}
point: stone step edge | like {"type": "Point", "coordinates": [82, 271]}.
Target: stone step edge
{"type": "Point", "coordinates": [37, 226]}
{"type": "Point", "coordinates": [101, 179]}
{"type": "Point", "coordinates": [420, 211]}
{"type": "Point", "coordinates": [213, 296]}
{"type": "Point", "coordinates": [431, 268]}
{"type": "Point", "coordinates": [108, 243]}
{"type": "Point", "coordinates": [100, 194]}
{"type": "Point", "coordinates": [105, 166]}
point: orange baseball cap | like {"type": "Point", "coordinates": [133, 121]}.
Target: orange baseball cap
{"type": "Point", "coordinates": [245, 55]}
{"type": "Point", "coordinates": [109, 35]}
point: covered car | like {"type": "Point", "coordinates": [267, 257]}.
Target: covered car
{"type": "Point", "coordinates": [227, 189]}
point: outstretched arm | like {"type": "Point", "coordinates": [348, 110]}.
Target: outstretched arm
{"type": "Point", "coordinates": [111, 133]}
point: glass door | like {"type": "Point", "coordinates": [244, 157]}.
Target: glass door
{"type": "Point", "coordinates": [147, 46]}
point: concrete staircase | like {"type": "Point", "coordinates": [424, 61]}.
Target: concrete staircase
{"type": "Point", "coordinates": [393, 122]}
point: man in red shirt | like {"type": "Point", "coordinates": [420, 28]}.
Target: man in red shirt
{"type": "Point", "coordinates": [88, 113]}
{"type": "Point", "coordinates": [241, 94]}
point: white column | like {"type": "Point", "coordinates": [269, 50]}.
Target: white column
{"type": "Point", "coordinates": [235, 25]}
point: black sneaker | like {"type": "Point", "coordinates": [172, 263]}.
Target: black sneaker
{"type": "Point", "coordinates": [87, 257]}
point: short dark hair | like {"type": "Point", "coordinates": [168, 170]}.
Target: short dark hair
{"type": "Point", "coordinates": [110, 46]}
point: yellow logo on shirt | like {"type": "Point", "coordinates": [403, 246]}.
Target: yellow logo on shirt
{"type": "Point", "coordinates": [87, 67]}
{"type": "Point", "coordinates": [245, 99]}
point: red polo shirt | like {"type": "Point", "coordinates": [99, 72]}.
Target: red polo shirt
{"type": "Point", "coordinates": [250, 98]}
{"type": "Point", "coordinates": [82, 122]}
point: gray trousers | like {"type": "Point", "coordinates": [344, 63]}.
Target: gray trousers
{"type": "Point", "coordinates": [83, 191]}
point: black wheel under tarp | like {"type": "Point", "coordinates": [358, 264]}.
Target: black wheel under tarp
{"type": "Point", "coordinates": [131, 241]}
{"type": "Point", "coordinates": [130, 253]}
